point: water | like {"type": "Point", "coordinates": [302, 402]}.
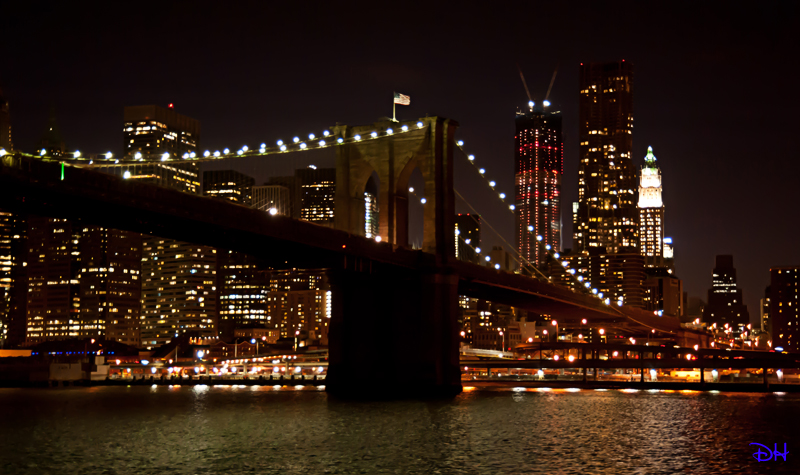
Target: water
{"type": "Point", "coordinates": [264, 430]}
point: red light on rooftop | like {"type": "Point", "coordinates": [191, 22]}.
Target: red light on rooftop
{"type": "Point", "coordinates": [171, 105]}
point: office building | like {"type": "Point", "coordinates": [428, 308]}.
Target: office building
{"type": "Point", "coordinates": [766, 323]}
{"type": "Point", "coordinates": [605, 215]}
{"type": "Point", "coordinates": [300, 304]}
{"type": "Point", "coordinates": [539, 158]}
{"type": "Point", "coordinates": [317, 192]}
{"type": "Point", "coordinates": [230, 185]}
{"type": "Point", "coordinates": [52, 143]}
{"type": "Point", "coordinates": [179, 293]}
{"type": "Point", "coordinates": [725, 303]}
{"type": "Point", "coordinates": [13, 278]}
{"type": "Point", "coordinates": [152, 131]}
{"type": "Point", "coordinates": [243, 287]}
{"type": "Point", "coordinates": [468, 236]}
{"type": "Point", "coordinates": [651, 213]}
{"type": "Point", "coordinates": [784, 308]}
{"type": "Point", "coordinates": [663, 293]}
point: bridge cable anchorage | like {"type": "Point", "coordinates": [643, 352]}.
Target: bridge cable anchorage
{"type": "Point", "coordinates": [314, 142]}
{"type": "Point", "coordinates": [481, 171]}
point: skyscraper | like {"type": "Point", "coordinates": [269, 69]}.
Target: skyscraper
{"type": "Point", "coordinates": [317, 192]}
{"type": "Point", "coordinates": [725, 304]}
{"type": "Point", "coordinates": [5, 125]}
{"type": "Point", "coordinates": [13, 278]}
{"type": "Point", "coordinates": [539, 159]}
{"type": "Point", "coordinates": [651, 213]}
{"type": "Point", "coordinates": [52, 142]}
{"type": "Point", "coordinates": [605, 214]}
{"type": "Point", "coordinates": [784, 307]}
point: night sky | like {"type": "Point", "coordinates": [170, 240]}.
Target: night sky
{"type": "Point", "coordinates": [716, 91]}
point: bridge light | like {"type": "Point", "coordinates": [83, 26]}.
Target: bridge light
{"type": "Point", "coordinates": [377, 238]}
{"type": "Point", "coordinates": [492, 184]}
{"type": "Point", "coordinates": [423, 201]}
{"type": "Point", "coordinates": [108, 155]}
{"type": "Point", "coordinates": [571, 358]}
{"type": "Point", "coordinates": [548, 247]}
{"type": "Point", "coordinates": [280, 142]}
{"type": "Point", "coordinates": [369, 235]}
{"type": "Point", "coordinates": [460, 143]}
{"type": "Point", "coordinates": [296, 139]}
{"type": "Point", "coordinates": [244, 147]}
{"type": "Point", "coordinates": [619, 303]}
{"type": "Point", "coordinates": [3, 152]}
{"type": "Point", "coordinates": [263, 145]}
{"type": "Point", "coordinates": [546, 103]}
{"type": "Point", "coordinates": [594, 291]}
{"type": "Point", "coordinates": [512, 207]}
{"type": "Point", "coordinates": [497, 266]}
{"type": "Point", "coordinates": [91, 161]}
{"type": "Point", "coordinates": [216, 153]}
{"type": "Point", "coordinates": [478, 250]}
{"type": "Point", "coordinates": [389, 131]}
{"type": "Point", "coordinates": [339, 140]}
{"type": "Point", "coordinates": [556, 255]}
{"type": "Point", "coordinates": [283, 148]}
{"type": "Point", "coordinates": [420, 125]}
{"type": "Point", "coordinates": [262, 150]}
{"type": "Point", "coordinates": [357, 137]}
{"type": "Point", "coordinates": [404, 128]}
{"type": "Point", "coordinates": [588, 284]}
{"type": "Point", "coordinates": [583, 321]}
{"type": "Point", "coordinates": [545, 202]}
{"type": "Point", "coordinates": [467, 241]}
{"type": "Point", "coordinates": [600, 294]}
{"type": "Point", "coordinates": [411, 189]}
{"type": "Point", "coordinates": [165, 156]}
{"type": "Point", "coordinates": [43, 151]}
{"type": "Point", "coordinates": [580, 278]}
{"type": "Point", "coordinates": [565, 263]}
{"type": "Point", "coordinates": [302, 146]}
{"type": "Point", "coordinates": [206, 154]}
{"type": "Point", "coordinates": [488, 258]}
{"type": "Point", "coordinates": [226, 151]}
{"type": "Point", "coordinates": [571, 271]}
{"type": "Point", "coordinates": [185, 155]}
{"type": "Point", "coordinates": [116, 161]}
{"type": "Point", "coordinates": [77, 153]}
{"type": "Point", "coordinates": [126, 175]}
{"type": "Point", "coordinates": [239, 152]}
{"type": "Point", "coordinates": [530, 229]}
{"type": "Point", "coordinates": [531, 104]}
{"type": "Point", "coordinates": [311, 136]}
{"type": "Point", "coordinates": [481, 171]}
{"type": "Point", "coordinates": [603, 332]}
{"type": "Point", "coordinates": [555, 357]}
{"type": "Point", "coordinates": [326, 133]}
{"type": "Point", "coordinates": [471, 157]}
{"type": "Point", "coordinates": [321, 143]}
{"type": "Point", "coordinates": [138, 155]}
{"type": "Point", "coordinates": [373, 134]}
{"type": "Point", "coordinates": [192, 155]}
{"type": "Point", "coordinates": [502, 196]}
{"type": "Point", "coordinates": [539, 238]}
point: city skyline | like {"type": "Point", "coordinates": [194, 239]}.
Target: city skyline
{"type": "Point", "coordinates": [703, 151]}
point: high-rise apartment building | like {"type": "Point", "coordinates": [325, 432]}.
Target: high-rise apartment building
{"type": "Point", "coordinates": [243, 288]}
{"type": "Point", "coordinates": [605, 214]}
{"type": "Point", "coordinates": [13, 278]}
{"type": "Point", "coordinates": [230, 185]}
{"type": "Point", "coordinates": [539, 165]}
{"type": "Point", "coordinates": [317, 192]}
{"type": "Point", "coordinates": [179, 293]}
{"type": "Point", "coordinates": [5, 125]}
{"type": "Point", "coordinates": [784, 308]}
{"type": "Point", "coordinates": [725, 303]}
{"type": "Point", "coordinates": [651, 213]}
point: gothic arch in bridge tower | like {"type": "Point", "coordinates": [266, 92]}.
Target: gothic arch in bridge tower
{"type": "Point", "coordinates": [428, 145]}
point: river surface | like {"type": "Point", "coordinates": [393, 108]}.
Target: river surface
{"type": "Point", "coordinates": [266, 429]}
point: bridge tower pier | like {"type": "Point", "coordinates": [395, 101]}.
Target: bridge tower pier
{"type": "Point", "coordinates": [393, 336]}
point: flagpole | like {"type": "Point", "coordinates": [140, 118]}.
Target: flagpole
{"type": "Point", "coordinates": [394, 106]}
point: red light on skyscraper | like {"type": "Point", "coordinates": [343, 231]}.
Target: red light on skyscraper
{"type": "Point", "coordinates": [171, 105]}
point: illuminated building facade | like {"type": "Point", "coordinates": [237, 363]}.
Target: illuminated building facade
{"type": "Point", "coordinates": [663, 292]}
{"type": "Point", "coordinates": [619, 277]}
{"type": "Point", "coordinates": [725, 303]}
{"type": "Point", "coordinates": [13, 278]}
{"type": "Point", "coordinates": [651, 213]}
{"type": "Point", "coordinates": [317, 191]}
{"type": "Point", "coordinates": [371, 219]}
{"type": "Point", "coordinates": [766, 321]}
{"type": "Point", "coordinates": [5, 125]}
{"type": "Point", "coordinates": [468, 237]}
{"type": "Point", "coordinates": [179, 293]}
{"type": "Point", "coordinates": [230, 185]}
{"type": "Point", "coordinates": [784, 307]}
{"type": "Point", "coordinates": [153, 131]}
{"type": "Point", "coordinates": [300, 301]}
{"type": "Point", "coordinates": [539, 166]}
{"type": "Point", "coordinates": [243, 288]}
{"type": "Point", "coordinates": [605, 215]}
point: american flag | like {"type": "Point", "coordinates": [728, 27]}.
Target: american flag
{"type": "Point", "coordinates": [401, 99]}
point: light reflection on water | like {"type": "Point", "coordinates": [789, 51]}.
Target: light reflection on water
{"type": "Point", "coordinates": [284, 429]}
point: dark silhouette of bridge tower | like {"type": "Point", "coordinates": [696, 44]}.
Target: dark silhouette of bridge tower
{"type": "Point", "coordinates": [381, 311]}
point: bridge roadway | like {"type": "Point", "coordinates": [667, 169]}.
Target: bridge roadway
{"type": "Point", "coordinates": [370, 276]}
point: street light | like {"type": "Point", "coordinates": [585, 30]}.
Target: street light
{"type": "Point", "coordinates": [503, 348]}
{"type": "Point", "coordinates": [555, 324]}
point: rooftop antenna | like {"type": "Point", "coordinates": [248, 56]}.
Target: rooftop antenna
{"type": "Point", "coordinates": [530, 101]}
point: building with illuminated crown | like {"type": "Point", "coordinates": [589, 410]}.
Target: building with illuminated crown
{"type": "Point", "coordinates": [651, 213]}
{"type": "Point", "coordinates": [605, 214]}
{"type": "Point", "coordinates": [539, 160]}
